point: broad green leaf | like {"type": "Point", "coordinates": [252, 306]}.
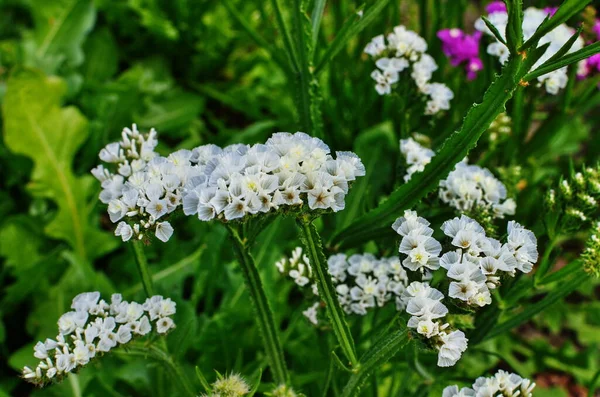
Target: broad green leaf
{"type": "Point", "coordinates": [172, 114]}
{"type": "Point", "coordinates": [454, 149]}
{"type": "Point", "coordinates": [35, 125]}
{"type": "Point", "coordinates": [101, 56]}
{"type": "Point", "coordinates": [60, 29]}
{"type": "Point", "coordinates": [354, 25]}
{"type": "Point", "coordinates": [566, 10]}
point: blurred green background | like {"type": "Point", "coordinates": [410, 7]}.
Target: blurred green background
{"type": "Point", "coordinates": [85, 69]}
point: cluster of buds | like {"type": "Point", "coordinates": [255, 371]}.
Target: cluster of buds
{"type": "Point", "coordinates": [591, 254]}
{"type": "Point", "coordinates": [500, 129]}
{"type": "Point", "coordinates": [574, 202]}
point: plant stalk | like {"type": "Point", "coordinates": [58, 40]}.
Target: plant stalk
{"type": "Point", "coordinates": [314, 248]}
{"type": "Point", "coordinates": [264, 318]}
{"type": "Point", "coordinates": [142, 265]}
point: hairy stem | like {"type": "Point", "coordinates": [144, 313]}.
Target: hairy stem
{"type": "Point", "coordinates": [264, 318]}
{"type": "Point", "coordinates": [142, 265]}
{"type": "Point", "coordinates": [314, 248]}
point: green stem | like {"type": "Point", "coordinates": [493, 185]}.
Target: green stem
{"type": "Point", "coordinates": [264, 317]}
{"type": "Point", "coordinates": [314, 248]}
{"type": "Point", "coordinates": [142, 265]}
{"type": "Point", "coordinates": [378, 355]}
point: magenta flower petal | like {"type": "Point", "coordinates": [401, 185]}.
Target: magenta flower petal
{"type": "Point", "coordinates": [496, 6]}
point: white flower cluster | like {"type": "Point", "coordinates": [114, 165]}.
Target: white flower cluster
{"type": "Point", "coordinates": [95, 327]}
{"type": "Point", "coordinates": [474, 266]}
{"type": "Point", "coordinates": [470, 186]}
{"type": "Point", "coordinates": [416, 156]}
{"type": "Point", "coordinates": [475, 263]}
{"type": "Point", "coordinates": [362, 281]}
{"type": "Point", "coordinates": [406, 50]}
{"type": "Point", "coordinates": [288, 170]}
{"type": "Point", "coordinates": [145, 188]}
{"type": "Point", "coordinates": [532, 19]}
{"type": "Point", "coordinates": [424, 304]}
{"type": "Point", "coordinates": [297, 267]}
{"type": "Point", "coordinates": [503, 384]}
{"type": "Point", "coordinates": [466, 188]}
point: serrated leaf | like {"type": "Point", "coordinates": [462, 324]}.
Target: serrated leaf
{"type": "Point", "coordinates": [60, 29]}
{"type": "Point", "coordinates": [454, 149]}
{"type": "Point", "coordinates": [35, 125]}
{"type": "Point", "coordinates": [552, 65]}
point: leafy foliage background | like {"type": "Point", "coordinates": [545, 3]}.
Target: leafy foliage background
{"type": "Point", "coordinates": [73, 73]}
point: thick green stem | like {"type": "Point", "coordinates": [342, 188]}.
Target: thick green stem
{"type": "Point", "coordinates": [142, 265]}
{"type": "Point", "coordinates": [314, 248]}
{"type": "Point", "coordinates": [264, 318]}
{"type": "Point", "coordinates": [385, 349]}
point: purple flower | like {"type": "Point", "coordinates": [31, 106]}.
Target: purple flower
{"type": "Point", "coordinates": [462, 48]}
{"type": "Point", "coordinates": [495, 6]}
{"type": "Point", "coordinates": [597, 28]}
{"type": "Point", "coordinates": [551, 10]}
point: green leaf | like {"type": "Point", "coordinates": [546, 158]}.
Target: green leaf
{"type": "Point", "coordinates": [566, 10]}
{"type": "Point", "coordinates": [60, 29]}
{"type": "Point", "coordinates": [101, 56]}
{"type": "Point", "coordinates": [35, 125]}
{"type": "Point", "coordinates": [567, 60]}
{"type": "Point", "coordinates": [316, 16]}
{"type": "Point", "coordinates": [379, 354]}
{"type": "Point", "coordinates": [154, 19]}
{"type": "Point", "coordinates": [354, 25]}
{"type": "Point", "coordinates": [561, 291]}
{"type": "Point", "coordinates": [514, 28]}
{"type": "Point", "coordinates": [494, 30]}
{"type": "Point", "coordinates": [454, 149]}
{"type": "Point", "coordinates": [172, 114]}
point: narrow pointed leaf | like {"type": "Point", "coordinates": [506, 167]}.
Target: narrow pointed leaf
{"type": "Point", "coordinates": [454, 149]}
{"type": "Point", "coordinates": [567, 60]}
{"type": "Point", "coordinates": [566, 10]}
{"type": "Point", "coordinates": [514, 29]}
{"type": "Point", "coordinates": [494, 30]}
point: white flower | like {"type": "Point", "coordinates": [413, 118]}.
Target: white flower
{"type": "Point", "coordinates": [311, 313]}
{"type": "Point", "coordinates": [164, 231]}
{"type": "Point", "coordinates": [124, 230]}
{"type": "Point", "coordinates": [164, 324]}
{"type": "Point", "coordinates": [454, 344]}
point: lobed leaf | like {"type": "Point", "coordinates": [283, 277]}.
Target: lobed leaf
{"type": "Point", "coordinates": [36, 126]}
